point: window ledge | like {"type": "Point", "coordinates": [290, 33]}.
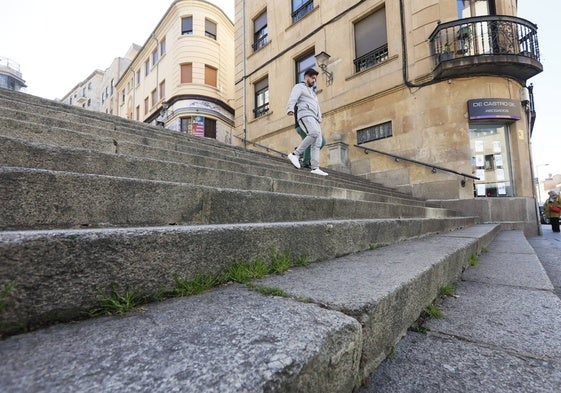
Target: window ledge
{"type": "Point", "coordinates": [316, 7]}
{"type": "Point", "coordinates": [261, 117]}
{"type": "Point", "coordinates": [357, 74]}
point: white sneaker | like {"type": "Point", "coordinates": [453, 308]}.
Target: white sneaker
{"type": "Point", "coordinates": [294, 159]}
{"type": "Point", "coordinates": [318, 171]}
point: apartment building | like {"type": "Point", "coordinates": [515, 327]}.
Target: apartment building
{"type": "Point", "coordinates": [87, 93]}
{"type": "Point", "coordinates": [10, 75]}
{"type": "Point", "coordinates": [430, 97]}
{"type": "Point", "coordinates": [183, 76]}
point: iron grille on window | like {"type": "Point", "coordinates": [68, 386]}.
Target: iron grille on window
{"type": "Point", "coordinates": [379, 131]}
{"type": "Point", "coordinates": [261, 110]}
{"type": "Point", "coordinates": [372, 58]}
{"type": "Point", "coordinates": [301, 11]}
{"type": "Point", "coordinates": [260, 42]}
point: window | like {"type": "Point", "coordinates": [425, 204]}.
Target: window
{"type": "Point", "coordinates": [260, 35]}
{"type": "Point", "coordinates": [154, 96]}
{"type": "Point", "coordinates": [146, 67]}
{"type": "Point", "coordinates": [199, 126]}
{"type": "Point", "coordinates": [146, 108]}
{"type": "Point", "coordinates": [137, 78]}
{"type": "Point", "coordinates": [123, 96]}
{"type": "Point", "coordinates": [187, 73]}
{"type": "Point", "coordinates": [138, 112]}
{"type": "Point", "coordinates": [301, 8]}
{"type": "Point", "coordinates": [154, 57]}
{"type": "Point", "coordinates": [490, 160]}
{"type": "Point", "coordinates": [162, 90]}
{"type": "Point", "coordinates": [379, 131]}
{"type": "Point", "coordinates": [187, 25]}
{"type": "Point", "coordinates": [163, 47]}
{"type": "Point", "coordinates": [211, 75]}
{"type": "Point", "coordinates": [469, 8]}
{"type": "Point", "coordinates": [210, 29]}
{"type": "Point", "coordinates": [302, 64]}
{"type": "Point", "coordinates": [371, 40]}
{"type": "Point", "coordinates": [261, 98]}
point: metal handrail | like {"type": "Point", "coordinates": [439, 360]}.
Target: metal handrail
{"type": "Point", "coordinates": [268, 149]}
{"type": "Point", "coordinates": [433, 167]}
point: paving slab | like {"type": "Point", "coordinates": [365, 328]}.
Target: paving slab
{"type": "Point", "coordinates": [510, 261]}
{"type": "Point", "coordinates": [499, 334]}
{"type": "Point", "coordinates": [385, 289]}
{"type": "Point", "coordinates": [433, 364]}
{"type": "Point", "coordinates": [227, 340]}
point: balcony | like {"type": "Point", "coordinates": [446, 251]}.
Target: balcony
{"type": "Point", "coordinates": [486, 45]}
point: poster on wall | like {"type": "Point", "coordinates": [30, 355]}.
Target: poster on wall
{"type": "Point", "coordinates": [479, 160]}
{"type": "Point", "coordinates": [480, 173]}
{"type": "Point", "coordinates": [501, 187]}
{"type": "Point", "coordinates": [199, 126]}
{"type": "Point", "coordinates": [500, 173]}
{"type": "Point", "coordinates": [498, 160]}
{"type": "Point", "coordinates": [479, 146]}
{"type": "Point", "coordinates": [480, 189]}
{"type": "Point", "coordinates": [496, 146]}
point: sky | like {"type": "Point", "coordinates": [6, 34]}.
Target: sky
{"type": "Point", "coordinates": [59, 43]}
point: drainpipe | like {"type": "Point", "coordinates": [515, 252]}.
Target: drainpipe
{"type": "Point", "coordinates": [526, 103]}
{"type": "Point", "coordinates": [244, 78]}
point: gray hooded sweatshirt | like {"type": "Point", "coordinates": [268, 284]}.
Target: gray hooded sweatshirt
{"type": "Point", "coordinates": [307, 101]}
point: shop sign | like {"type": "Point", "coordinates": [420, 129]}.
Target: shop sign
{"type": "Point", "coordinates": [494, 108]}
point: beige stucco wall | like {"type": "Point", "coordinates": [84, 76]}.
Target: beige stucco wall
{"type": "Point", "coordinates": [430, 123]}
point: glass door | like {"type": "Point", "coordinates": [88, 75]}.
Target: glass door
{"type": "Point", "coordinates": [490, 160]}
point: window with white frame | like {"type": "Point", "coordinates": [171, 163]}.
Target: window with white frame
{"type": "Point", "coordinates": [260, 34]}
{"type": "Point", "coordinates": [261, 98]}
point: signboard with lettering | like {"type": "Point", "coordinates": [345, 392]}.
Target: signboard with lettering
{"type": "Point", "coordinates": [494, 108]}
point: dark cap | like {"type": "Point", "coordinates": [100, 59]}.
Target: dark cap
{"type": "Point", "coordinates": [311, 71]}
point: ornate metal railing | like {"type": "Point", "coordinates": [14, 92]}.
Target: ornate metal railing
{"type": "Point", "coordinates": [261, 110]}
{"type": "Point", "coordinates": [485, 35]}
{"type": "Point", "coordinates": [372, 58]}
{"type": "Point", "coordinates": [306, 8]}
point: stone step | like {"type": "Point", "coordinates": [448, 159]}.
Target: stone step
{"type": "Point", "coordinates": [41, 199]}
{"type": "Point", "coordinates": [59, 274]}
{"type": "Point", "coordinates": [357, 307]}
{"type": "Point", "coordinates": [18, 153]}
{"type": "Point", "coordinates": [140, 133]}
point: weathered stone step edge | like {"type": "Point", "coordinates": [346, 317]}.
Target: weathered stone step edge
{"type": "Point", "coordinates": [19, 153]}
{"type": "Point", "coordinates": [73, 139]}
{"type": "Point", "coordinates": [286, 346]}
{"type": "Point", "coordinates": [46, 199]}
{"type": "Point", "coordinates": [386, 289]}
{"type": "Point", "coordinates": [57, 275]}
{"type": "Point", "coordinates": [192, 141]}
{"type": "Point", "coordinates": [228, 340]}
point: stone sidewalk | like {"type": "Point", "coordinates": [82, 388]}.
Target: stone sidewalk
{"type": "Point", "coordinates": [500, 334]}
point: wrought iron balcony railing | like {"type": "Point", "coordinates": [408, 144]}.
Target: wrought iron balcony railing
{"type": "Point", "coordinates": [485, 44]}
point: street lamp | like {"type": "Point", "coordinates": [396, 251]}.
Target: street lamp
{"type": "Point", "coordinates": [538, 175]}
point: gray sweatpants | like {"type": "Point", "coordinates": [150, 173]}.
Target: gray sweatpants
{"type": "Point", "coordinates": [313, 139]}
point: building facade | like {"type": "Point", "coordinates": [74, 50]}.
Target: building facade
{"type": "Point", "coordinates": [10, 75]}
{"type": "Point", "coordinates": [429, 97]}
{"type": "Point", "coordinates": [183, 76]}
{"type": "Point", "coordinates": [86, 94]}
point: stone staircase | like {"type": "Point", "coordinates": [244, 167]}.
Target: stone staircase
{"type": "Point", "coordinates": [93, 204]}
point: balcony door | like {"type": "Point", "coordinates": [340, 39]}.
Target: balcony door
{"type": "Point", "coordinates": [469, 8]}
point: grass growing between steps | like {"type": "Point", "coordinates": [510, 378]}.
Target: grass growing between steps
{"type": "Point", "coordinates": [240, 272]}
{"type": "Point", "coordinates": [433, 310]}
